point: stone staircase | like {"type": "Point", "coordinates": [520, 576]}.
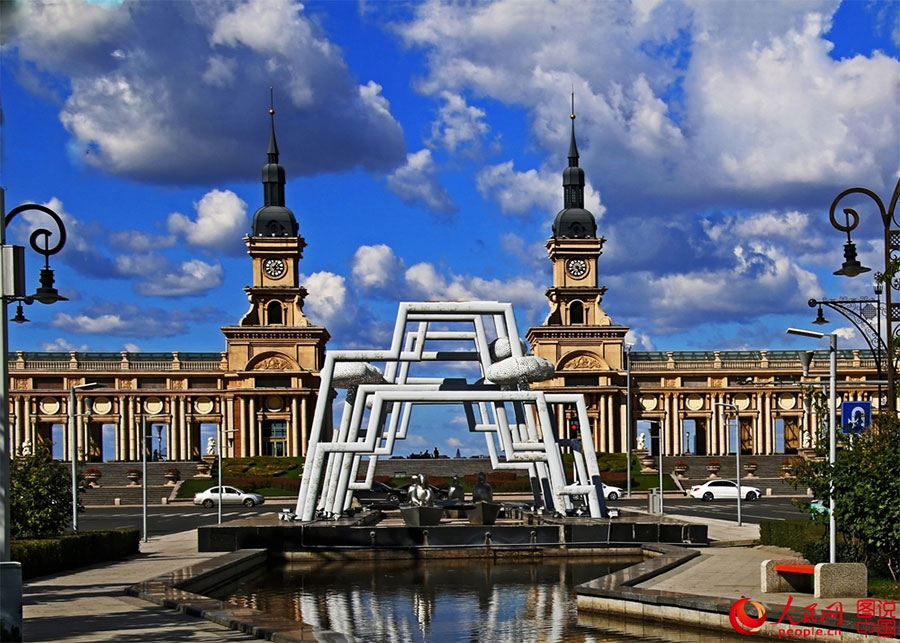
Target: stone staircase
{"type": "Point", "coordinates": [768, 466]}
{"type": "Point", "coordinates": [768, 477]}
{"type": "Point", "coordinates": [115, 490]}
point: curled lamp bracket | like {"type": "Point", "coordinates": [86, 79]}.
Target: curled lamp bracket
{"type": "Point", "coordinates": [41, 234]}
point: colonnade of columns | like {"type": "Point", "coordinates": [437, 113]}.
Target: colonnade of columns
{"type": "Point", "coordinates": [762, 416]}
{"type": "Point", "coordinates": [241, 423]}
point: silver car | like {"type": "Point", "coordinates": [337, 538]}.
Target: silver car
{"type": "Point", "coordinates": [230, 496]}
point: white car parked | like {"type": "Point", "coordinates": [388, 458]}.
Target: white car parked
{"type": "Point", "coordinates": [723, 490]}
{"type": "Point", "coordinates": [230, 496]}
{"type": "Point", "coordinates": [612, 493]}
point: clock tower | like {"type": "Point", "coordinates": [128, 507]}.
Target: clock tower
{"type": "Point", "coordinates": [574, 249]}
{"type": "Point", "coordinates": [275, 248]}
{"type": "Point", "coordinates": [274, 334]}
{"type": "Point", "coordinates": [578, 337]}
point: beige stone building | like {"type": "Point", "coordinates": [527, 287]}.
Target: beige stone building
{"type": "Point", "coordinates": [689, 398]}
{"type": "Point", "coordinates": [258, 396]}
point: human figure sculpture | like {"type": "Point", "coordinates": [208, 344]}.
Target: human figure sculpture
{"type": "Point", "coordinates": [642, 441]}
{"type": "Point", "coordinates": [26, 448]}
{"type": "Point", "coordinates": [210, 446]}
{"type": "Point", "coordinates": [482, 492]}
{"type": "Point", "coordinates": [805, 442]}
{"type": "Point", "coordinates": [420, 494]}
{"type": "Point", "coordinates": [456, 491]}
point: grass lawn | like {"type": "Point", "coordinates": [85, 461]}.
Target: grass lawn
{"type": "Point", "coordinates": [880, 587]}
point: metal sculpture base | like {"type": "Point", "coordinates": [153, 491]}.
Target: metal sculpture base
{"type": "Point", "coordinates": [422, 516]}
{"type": "Point", "coordinates": [484, 513]}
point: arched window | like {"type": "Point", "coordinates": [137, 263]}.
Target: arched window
{"type": "Point", "coordinates": [273, 312]}
{"type": "Point", "coordinates": [576, 312]}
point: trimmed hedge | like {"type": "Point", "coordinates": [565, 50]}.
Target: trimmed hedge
{"type": "Point", "coordinates": [794, 534]}
{"type": "Point", "coordinates": [41, 556]}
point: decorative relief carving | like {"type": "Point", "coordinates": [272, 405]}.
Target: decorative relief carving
{"type": "Point", "coordinates": [648, 402]}
{"type": "Point", "coordinates": [126, 384]}
{"type": "Point", "coordinates": [20, 384]}
{"type": "Point", "coordinates": [584, 362]}
{"type": "Point", "coordinates": [272, 364]}
{"type": "Point", "coordinates": [178, 384]}
{"type": "Point", "coordinates": [694, 402]}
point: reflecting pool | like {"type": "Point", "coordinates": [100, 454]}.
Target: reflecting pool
{"type": "Point", "coordinates": [435, 600]}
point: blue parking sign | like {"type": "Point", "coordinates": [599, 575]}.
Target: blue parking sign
{"type": "Point", "coordinates": [856, 416]}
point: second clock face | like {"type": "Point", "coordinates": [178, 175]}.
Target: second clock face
{"type": "Point", "coordinates": [577, 267]}
{"type": "Point", "coordinates": [274, 267]}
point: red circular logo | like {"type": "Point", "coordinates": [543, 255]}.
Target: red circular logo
{"type": "Point", "coordinates": [742, 622]}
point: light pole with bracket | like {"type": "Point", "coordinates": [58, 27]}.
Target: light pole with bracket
{"type": "Point", "coordinates": [12, 289]}
{"type": "Point", "coordinates": [852, 267]}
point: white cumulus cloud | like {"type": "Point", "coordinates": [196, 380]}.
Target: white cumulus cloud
{"type": "Point", "coordinates": [415, 183]}
{"type": "Point", "coordinates": [220, 223]}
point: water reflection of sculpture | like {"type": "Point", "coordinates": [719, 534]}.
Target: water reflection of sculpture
{"type": "Point", "coordinates": [398, 602]}
{"type": "Point", "coordinates": [515, 420]}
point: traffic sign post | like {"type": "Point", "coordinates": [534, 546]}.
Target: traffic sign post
{"type": "Point", "coordinates": [856, 417]}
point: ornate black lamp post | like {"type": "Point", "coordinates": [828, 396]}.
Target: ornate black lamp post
{"type": "Point", "coordinates": [865, 315]}
{"type": "Point", "coordinates": [12, 289]}
{"type": "Point", "coordinates": [852, 267]}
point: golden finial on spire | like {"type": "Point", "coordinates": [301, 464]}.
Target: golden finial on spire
{"type": "Point", "coordinates": [572, 115]}
{"type": "Point", "coordinates": [271, 101]}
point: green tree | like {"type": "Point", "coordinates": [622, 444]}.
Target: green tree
{"type": "Point", "coordinates": [866, 492]}
{"type": "Point", "coordinates": [40, 496]}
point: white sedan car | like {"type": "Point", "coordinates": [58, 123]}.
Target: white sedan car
{"type": "Point", "coordinates": [612, 493]}
{"type": "Point", "coordinates": [230, 496]}
{"type": "Point", "coordinates": [723, 490]}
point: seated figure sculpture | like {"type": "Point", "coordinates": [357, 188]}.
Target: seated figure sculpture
{"type": "Point", "coordinates": [482, 492]}
{"type": "Point", "coordinates": [456, 491]}
{"type": "Point", "coordinates": [420, 494]}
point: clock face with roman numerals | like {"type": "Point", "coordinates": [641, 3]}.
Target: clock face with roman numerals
{"type": "Point", "coordinates": [577, 267]}
{"type": "Point", "coordinates": [274, 267]}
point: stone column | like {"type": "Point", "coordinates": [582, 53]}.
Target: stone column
{"type": "Point", "coordinates": [19, 435]}
{"type": "Point", "coordinates": [228, 423]}
{"type": "Point", "coordinates": [304, 425]}
{"type": "Point", "coordinates": [245, 438]}
{"type": "Point", "coordinates": [183, 430]}
{"type": "Point", "coordinates": [294, 431]}
{"type": "Point", "coordinates": [254, 428]}
{"type": "Point", "coordinates": [120, 432]}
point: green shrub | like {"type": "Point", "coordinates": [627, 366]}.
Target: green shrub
{"type": "Point", "coordinates": [40, 491]}
{"type": "Point", "coordinates": [263, 465]}
{"type": "Point", "coordinates": [793, 534]}
{"type": "Point", "coordinates": [40, 556]}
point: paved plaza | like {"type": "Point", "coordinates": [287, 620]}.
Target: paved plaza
{"type": "Point", "coordinates": [90, 605]}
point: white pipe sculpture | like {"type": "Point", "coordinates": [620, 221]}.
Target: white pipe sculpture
{"type": "Point", "coordinates": [516, 421]}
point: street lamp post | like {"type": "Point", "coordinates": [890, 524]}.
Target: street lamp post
{"type": "Point", "coordinates": [12, 288]}
{"type": "Point", "coordinates": [144, 437]}
{"type": "Point", "coordinates": [73, 441]}
{"type": "Point", "coordinates": [860, 313]}
{"type": "Point", "coordinates": [852, 267]}
{"type": "Point", "coordinates": [219, 449]}
{"type": "Point", "coordinates": [737, 453]}
{"type": "Point", "coordinates": [628, 420]}
{"type": "Point", "coordinates": [12, 283]}
{"type": "Point", "coordinates": [832, 410]}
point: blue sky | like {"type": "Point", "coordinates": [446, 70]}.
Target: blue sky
{"type": "Point", "coordinates": [424, 145]}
